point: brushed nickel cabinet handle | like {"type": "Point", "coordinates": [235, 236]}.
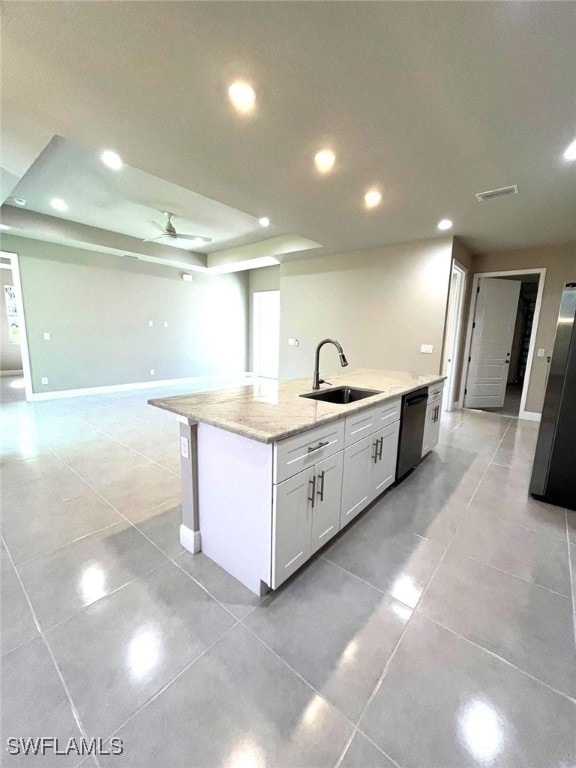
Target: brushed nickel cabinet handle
{"type": "Point", "coordinates": [375, 454]}
{"type": "Point", "coordinates": [380, 447]}
{"type": "Point", "coordinates": [312, 498]}
{"type": "Point", "coordinates": [321, 444]}
{"type": "Point", "coordinates": [320, 490]}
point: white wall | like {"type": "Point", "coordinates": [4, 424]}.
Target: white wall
{"type": "Point", "coordinates": [380, 304]}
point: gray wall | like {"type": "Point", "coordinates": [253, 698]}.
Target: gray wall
{"type": "Point", "coordinates": [10, 354]}
{"type": "Point", "coordinates": [263, 279]}
{"type": "Point", "coordinates": [380, 304]}
{"type": "Point", "coordinates": [97, 306]}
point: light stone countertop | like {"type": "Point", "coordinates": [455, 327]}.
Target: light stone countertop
{"type": "Point", "coordinates": [272, 410]}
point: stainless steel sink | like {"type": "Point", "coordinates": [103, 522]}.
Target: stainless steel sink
{"type": "Point", "coordinates": [341, 395]}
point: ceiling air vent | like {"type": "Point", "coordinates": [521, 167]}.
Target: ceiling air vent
{"type": "Point", "coordinates": [513, 190]}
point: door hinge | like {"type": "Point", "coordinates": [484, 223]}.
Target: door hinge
{"type": "Point", "coordinates": [474, 325]}
{"type": "Point", "coordinates": [478, 289]}
{"type": "Point", "coordinates": [469, 359]}
{"type": "Point", "coordinates": [465, 391]}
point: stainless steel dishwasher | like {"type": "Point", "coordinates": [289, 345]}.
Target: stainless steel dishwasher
{"type": "Point", "coordinates": [411, 431]}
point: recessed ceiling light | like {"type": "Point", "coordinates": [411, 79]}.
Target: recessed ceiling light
{"type": "Point", "coordinates": [325, 160]}
{"type": "Point", "coordinates": [4, 226]}
{"type": "Point", "coordinates": [372, 198]}
{"type": "Point", "coordinates": [264, 221]}
{"type": "Point", "coordinates": [570, 151]}
{"type": "Point", "coordinates": [18, 200]}
{"type": "Point", "coordinates": [111, 159]}
{"type": "Point", "coordinates": [242, 96]}
{"type": "Point", "coordinates": [445, 224]}
{"type": "Point", "coordinates": [58, 204]}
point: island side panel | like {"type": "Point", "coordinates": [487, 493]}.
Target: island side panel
{"type": "Point", "coordinates": [235, 503]}
{"type": "Point", "coordinates": [190, 528]}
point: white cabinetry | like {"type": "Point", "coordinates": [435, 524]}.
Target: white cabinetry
{"type": "Point", "coordinates": [305, 515]}
{"type": "Point", "coordinates": [433, 414]}
{"type": "Point", "coordinates": [369, 468]}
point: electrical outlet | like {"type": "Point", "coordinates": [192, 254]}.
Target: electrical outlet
{"type": "Point", "coordinates": [46, 336]}
{"type": "Point", "coordinates": [151, 371]}
{"type": "Point", "coordinates": [426, 349]}
{"type": "Point", "coordinates": [293, 342]}
{"type": "Point", "coordinates": [541, 352]}
{"type": "Point", "coordinates": [184, 448]}
{"type": "Point", "coordinates": [150, 323]}
{"type": "Point", "coordinates": [44, 380]}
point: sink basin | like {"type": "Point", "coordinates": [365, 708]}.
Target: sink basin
{"type": "Point", "coordinates": [341, 395]}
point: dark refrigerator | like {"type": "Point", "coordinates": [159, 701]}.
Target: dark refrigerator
{"type": "Point", "coordinates": [554, 471]}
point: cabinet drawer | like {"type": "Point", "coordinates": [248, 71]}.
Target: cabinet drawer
{"type": "Point", "coordinates": [363, 423]}
{"type": "Point", "coordinates": [305, 449]}
{"type": "Point", "coordinates": [435, 392]}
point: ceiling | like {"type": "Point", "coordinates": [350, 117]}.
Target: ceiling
{"type": "Point", "coordinates": [430, 101]}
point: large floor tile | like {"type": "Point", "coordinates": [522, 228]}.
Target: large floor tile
{"type": "Point", "coordinates": [124, 648]}
{"type": "Point", "coordinates": [502, 494]}
{"type": "Point", "coordinates": [525, 624]}
{"type": "Point", "coordinates": [45, 528]}
{"type": "Point", "coordinates": [362, 754]}
{"type": "Point", "coordinates": [444, 702]}
{"type": "Point", "coordinates": [141, 488]}
{"type": "Point", "coordinates": [337, 632]}
{"type": "Point", "coordinates": [238, 705]}
{"type": "Point", "coordinates": [17, 625]}
{"type": "Point", "coordinates": [397, 562]}
{"type": "Point", "coordinates": [63, 582]}
{"type": "Point", "coordinates": [162, 526]}
{"type": "Point", "coordinates": [34, 704]}
{"type": "Point", "coordinates": [516, 550]}
{"type": "Point", "coordinates": [237, 598]}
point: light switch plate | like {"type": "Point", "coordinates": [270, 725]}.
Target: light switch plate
{"type": "Point", "coordinates": [293, 342]}
{"type": "Point", "coordinates": [165, 323]}
{"type": "Point", "coordinates": [184, 448]}
{"type": "Point", "coordinates": [150, 323]}
{"type": "Point", "coordinates": [151, 371]}
{"type": "Point", "coordinates": [541, 352]}
{"type": "Point", "coordinates": [46, 336]}
{"type": "Point", "coordinates": [44, 380]}
{"type": "Point", "coordinates": [427, 349]}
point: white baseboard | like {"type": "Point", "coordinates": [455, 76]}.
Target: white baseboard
{"type": "Point", "coordinates": [4, 374]}
{"type": "Point", "coordinates": [190, 539]}
{"type": "Point", "coordinates": [530, 416]}
{"type": "Point", "coordinates": [58, 394]}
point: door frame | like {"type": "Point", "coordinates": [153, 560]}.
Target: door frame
{"type": "Point", "coordinates": [452, 381]}
{"type": "Point", "coordinates": [15, 266]}
{"type": "Point", "coordinates": [522, 414]}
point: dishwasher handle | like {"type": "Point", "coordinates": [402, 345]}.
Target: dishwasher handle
{"type": "Point", "coordinates": [415, 400]}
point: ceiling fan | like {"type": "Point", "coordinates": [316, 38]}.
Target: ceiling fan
{"type": "Point", "coordinates": [169, 231]}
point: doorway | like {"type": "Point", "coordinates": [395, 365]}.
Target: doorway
{"type": "Point", "coordinates": [453, 333]}
{"type": "Point", "coordinates": [13, 327]}
{"type": "Point", "coordinates": [266, 333]}
{"type": "Point", "coordinates": [504, 314]}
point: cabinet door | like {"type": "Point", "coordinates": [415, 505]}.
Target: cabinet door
{"type": "Point", "coordinates": [431, 427]}
{"type": "Point", "coordinates": [291, 525]}
{"type": "Point", "coordinates": [326, 512]}
{"type": "Point", "coordinates": [384, 468]}
{"type": "Point", "coordinates": [357, 478]}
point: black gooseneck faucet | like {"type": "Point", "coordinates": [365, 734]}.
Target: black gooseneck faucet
{"type": "Point", "coordinates": [343, 362]}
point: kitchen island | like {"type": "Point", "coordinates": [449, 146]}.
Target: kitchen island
{"type": "Point", "coordinates": [269, 476]}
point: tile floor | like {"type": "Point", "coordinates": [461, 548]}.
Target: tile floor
{"type": "Point", "coordinates": [438, 630]}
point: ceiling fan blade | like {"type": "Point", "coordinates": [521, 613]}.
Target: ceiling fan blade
{"type": "Point", "coordinates": [158, 226]}
{"type": "Point", "coordinates": [151, 239]}
{"type": "Point", "coordinates": [194, 237]}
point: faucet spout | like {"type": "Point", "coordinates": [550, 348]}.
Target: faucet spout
{"type": "Point", "coordinates": [343, 361]}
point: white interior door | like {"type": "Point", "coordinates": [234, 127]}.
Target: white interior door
{"type": "Point", "coordinates": [492, 334]}
{"type": "Point", "coordinates": [266, 333]}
